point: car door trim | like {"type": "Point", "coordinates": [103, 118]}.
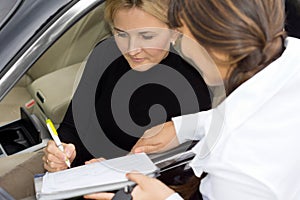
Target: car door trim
{"type": "Point", "coordinates": [28, 58]}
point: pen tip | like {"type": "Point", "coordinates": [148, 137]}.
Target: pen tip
{"type": "Point", "coordinates": [68, 163]}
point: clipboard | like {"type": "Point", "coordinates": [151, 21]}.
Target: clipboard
{"type": "Point", "coordinates": [151, 165]}
{"type": "Point", "coordinates": [108, 175]}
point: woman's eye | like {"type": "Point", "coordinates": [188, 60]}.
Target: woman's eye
{"type": "Point", "coordinates": [122, 35]}
{"type": "Point", "coordinates": [148, 37]}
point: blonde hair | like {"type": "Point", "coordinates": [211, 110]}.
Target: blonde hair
{"type": "Point", "coordinates": [156, 8]}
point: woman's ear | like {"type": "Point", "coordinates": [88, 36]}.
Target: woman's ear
{"type": "Point", "coordinates": [174, 36]}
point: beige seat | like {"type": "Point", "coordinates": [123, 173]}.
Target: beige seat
{"type": "Point", "coordinates": [18, 96]}
{"type": "Point", "coordinates": [54, 74]}
{"type": "Point", "coordinates": [53, 92]}
{"type": "Point", "coordinates": [18, 180]}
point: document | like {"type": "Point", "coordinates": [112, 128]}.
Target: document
{"type": "Point", "coordinates": [102, 176]}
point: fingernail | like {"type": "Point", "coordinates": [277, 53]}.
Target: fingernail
{"type": "Point", "coordinates": [68, 154]}
{"type": "Point", "coordinates": [138, 150]}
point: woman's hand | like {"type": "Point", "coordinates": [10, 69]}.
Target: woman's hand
{"type": "Point", "coordinates": [100, 196]}
{"type": "Point", "coordinates": [157, 139]}
{"type": "Point", "coordinates": [54, 158]}
{"type": "Point", "coordinates": [147, 189]}
{"type": "Point", "coordinates": [94, 160]}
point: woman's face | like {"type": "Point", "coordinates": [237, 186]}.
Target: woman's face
{"type": "Point", "coordinates": [142, 38]}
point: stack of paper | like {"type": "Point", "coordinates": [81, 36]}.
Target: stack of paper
{"type": "Point", "coordinates": [107, 175]}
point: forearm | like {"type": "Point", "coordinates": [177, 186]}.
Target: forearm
{"type": "Point", "coordinates": [192, 126]}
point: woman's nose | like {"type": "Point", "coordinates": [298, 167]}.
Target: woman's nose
{"type": "Point", "coordinates": [133, 47]}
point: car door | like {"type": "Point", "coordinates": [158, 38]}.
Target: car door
{"type": "Point", "coordinates": [45, 45]}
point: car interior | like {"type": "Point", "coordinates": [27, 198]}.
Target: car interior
{"type": "Point", "coordinates": [46, 89]}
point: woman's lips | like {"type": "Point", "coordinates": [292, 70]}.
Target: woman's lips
{"type": "Point", "coordinates": [137, 60]}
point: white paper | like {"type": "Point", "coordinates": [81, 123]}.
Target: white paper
{"type": "Point", "coordinates": [97, 174]}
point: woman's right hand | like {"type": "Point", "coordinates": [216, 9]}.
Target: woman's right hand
{"type": "Point", "coordinates": [157, 139]}
{"type": "Point", "coordinates": [54, 158]}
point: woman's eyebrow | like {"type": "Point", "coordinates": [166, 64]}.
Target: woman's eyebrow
{"type": "Point", "coordinates": [141, 33]}
{"type": "Point", "coordinates": [146, 32]}
{"type": "Point", "coordinates": [120, 30]}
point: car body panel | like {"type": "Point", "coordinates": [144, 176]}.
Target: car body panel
{"type": "Point", "coordinates": [31, 28]}
{"type": "Point", "coordinates": [8, 8]}
{"type": "Point", "coordinates": [14, 67]}
{"type": "Point", "coordinates": [27, 20]}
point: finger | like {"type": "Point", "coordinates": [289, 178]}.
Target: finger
{"type": "Point", "coordinates": [53, 166]}
{"type": "Point", "coordinates": [90, 161]}
{"type": "Point", "coordinates": [103, 196]}
{"type": "Point", "coordinates": [69, 150]}
{"type": "Point", "coordinates": [44, 158]}
{"type": "Point", "coordinates": [151, 137]}
{"type": "Point", "coordinates": [53, 162]}
{"type": "Point", "coordinates": [142, 143]}
{"type": "Point", "coordinates": [50, 168]}
{"type": "Point", "coordinates": [94, 160]}
{"type": "Point", "coordinates": [48, 156]}
{"type": "Point", "coordinates": [138, 178]}
{"type": "Point", "coordinates": [147, 149]}
{"type": "Point", "coordinates": [55, 159]}
{"type": "Point", "coordinates": [51, 148]}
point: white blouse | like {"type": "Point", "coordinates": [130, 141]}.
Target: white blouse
{"type": "Point", "coordinates": [249, 144]}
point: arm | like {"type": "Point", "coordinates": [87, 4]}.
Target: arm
{"type": "Point", "coordinates": [177, 131]}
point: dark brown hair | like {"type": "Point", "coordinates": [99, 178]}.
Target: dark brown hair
{"type": "Point", "coordinates": [250, 32]}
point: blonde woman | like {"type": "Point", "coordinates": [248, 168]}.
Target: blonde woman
{"type": "Point", "coordinates": [142, 34]}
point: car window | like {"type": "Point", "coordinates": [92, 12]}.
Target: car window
{"type": "Point", "coordinates": [7, 9]}
{"type": "Point", "coordinates": [47, 87]}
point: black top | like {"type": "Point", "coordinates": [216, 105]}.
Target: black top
{"type": "Point", "coordinates": [292, 25]}
{"type": "Point", "coordinates": [150, 88]}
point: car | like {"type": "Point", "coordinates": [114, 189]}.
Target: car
{"type": "Point", "coordinates": [44, 47]}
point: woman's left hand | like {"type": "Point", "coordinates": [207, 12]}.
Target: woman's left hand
{"type": "Point", "coordinates": [94, 160]}
{"type": "Point", "coordinates": [147, 189]}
